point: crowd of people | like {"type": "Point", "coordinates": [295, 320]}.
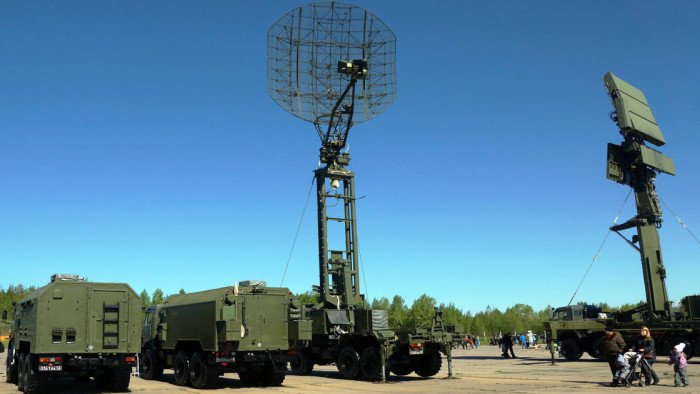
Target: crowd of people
{"type": "Point", "coordinates": [470, 342]}
{"type": "Point", "coordinates": [641, 351]}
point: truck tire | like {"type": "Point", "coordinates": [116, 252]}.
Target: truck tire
{"type": "Point", "coordinates": [10, 368]}
{"type": "Point", "coordinates": [100, 381]}
{"type": "Point", "coordinates": [371, 363]}
{"type": "Point", "coordinates": [151, 368]}
{"type": "Point", "coordinates": [401, 369]}
{"type": "Point", "coordinates": [571, 349]}
{"type": "Point", "coordinates": [348, 363]}
{"type": "Point", "coordinates": [33, 382]}
{"type": "Point", "coordinates": [117, 380]}
{"type": "Point", "coordinates": [302, 364]}
{"type": "Point", "coordinates": [271, 377]}
{"type": "Point", "coordinates": [427, 364]}
{"type": "Point", "coordinates": [250, 378]}
{"type": "Point", "coordinates": [180, 369]}
{"type": "Point", "coordinates": [594, 350]}
{"type": "Point", "coordinates": [21, 374]}
{"type": "Point", "coordinates": [202, 375]}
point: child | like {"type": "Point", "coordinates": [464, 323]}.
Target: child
{"type": "Point", "coordinates": [623, 369]}
{"type": "Point", "coordinates": [679, 365]}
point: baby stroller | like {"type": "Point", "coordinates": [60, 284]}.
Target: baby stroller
{"type": "Point", "coordinates": [635, 361]}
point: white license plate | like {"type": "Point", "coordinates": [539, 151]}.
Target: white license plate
{"type": "Point", "coordinates": [225, 359]}
{"type": "Point", "coordinates": [416, 351]}
{"type": "Point", "coordinates": [50, 368]}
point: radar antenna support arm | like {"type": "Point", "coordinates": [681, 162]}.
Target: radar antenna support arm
{"type": "Point", "coordinates": [350, 112]}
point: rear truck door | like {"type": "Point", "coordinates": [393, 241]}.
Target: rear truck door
{"type": "Point", "coordinates": [108, 317]}
{"type": "Point", "coordinates": [266, 322]}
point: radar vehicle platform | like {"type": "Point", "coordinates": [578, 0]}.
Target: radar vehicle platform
{"type": "Point", "coordinates": [636, 165]}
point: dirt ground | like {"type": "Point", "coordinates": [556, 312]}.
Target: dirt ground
{"type": "Point", "coordinates": [478, 370]}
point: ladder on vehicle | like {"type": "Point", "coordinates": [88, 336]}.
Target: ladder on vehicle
{"type": "Point", "coordinates": [110, 326]}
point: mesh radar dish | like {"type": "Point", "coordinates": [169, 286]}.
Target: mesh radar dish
{"type": "Point", "coordinates": [317, 54]}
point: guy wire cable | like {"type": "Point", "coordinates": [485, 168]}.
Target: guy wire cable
{"type": "Point", "coordinates": [601, 247]}
{"type": "Point", "coordinates": [679, 220]}
{"type": "Point", "coordinates": [313, 179]}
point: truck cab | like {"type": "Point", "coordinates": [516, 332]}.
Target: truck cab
{"type": "Point", "coordinates": [578, 312]}
{"type": "Point", "coordinates": [578, 329]}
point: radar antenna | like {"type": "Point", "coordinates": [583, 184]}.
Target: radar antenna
{"type": "Point", "coordinates": [634, 164]}
{"type": "Point", "coordinates": [334, 65]}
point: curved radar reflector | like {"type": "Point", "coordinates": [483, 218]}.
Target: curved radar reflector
{"type": "Point", "coordinates": [304, 48]}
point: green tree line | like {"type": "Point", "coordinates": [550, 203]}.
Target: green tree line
{"type": "Point", "coordinates": [7, 297]}
{"type": "Point", "coordinates": [156, 297]}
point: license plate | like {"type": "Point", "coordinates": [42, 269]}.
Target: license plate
{"type": "Point", "coordinates": [50, 368]}
{"type": "Point", "coordinates": [225, 359]}
{"type": "Point", "coordinates": [416, 351]}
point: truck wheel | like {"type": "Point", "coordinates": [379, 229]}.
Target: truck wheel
{"type": "Point", "coordinates": [202, 375]}
{"type": "Point", "coordinates": [348, 363]}
{"type": "Point", "coordinates": [180, 369]}
{"type": "Point", "coordinates": [151, 369]}
{"type": "Point", "coordinates": [117, 379]}
{"type": "Point", "coordinates": [571, 349]}
{"type": "Point", "coordinates": [100, 381]}
{"type": "Point", "coordinates": [401, 369]}
{"type": "Point", "coordinates": [250, 378]}
{"type": "Point", "coordinates": [428, 364]}
{"type": "Point", "coordinates": [371, 363]}
{"type": "Point", "coordinates": [594, 351]}
{"type": "Point", "coordinates": [21, 376]}
{"type": "Point", "coordinates": [302, 364]}
{"type": "Point", "coordinates": [33, 381]}
{"type": "Point", "coordinates": [10, 364]}
{"type": "Point", "coordinates": [270, 377]}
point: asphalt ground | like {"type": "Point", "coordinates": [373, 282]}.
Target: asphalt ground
{"type": "Point", "coordinates": [477, 370]}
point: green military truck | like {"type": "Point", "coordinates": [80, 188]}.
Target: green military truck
{"type": "Point", "coordinates": [248, 329]}
{"type": "Point", "coordinates": [72, 327]}
{"type": "Point", "coordinates": [578, 330]}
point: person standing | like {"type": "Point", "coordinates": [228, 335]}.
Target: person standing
{"type": "Point", "coordinates": [645, 344]}
{"type": "Point", "coordinates": [507, 343]}
{"type": "Point", "coordinates": [680, 365]}
{"type": "Point", "coordinates": [612, 346]}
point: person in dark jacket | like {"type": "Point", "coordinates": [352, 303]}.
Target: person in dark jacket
{"type": "Point", "coordinates": [507, 343]}
{"type": "Point", "coordinates": [645, 344]}
{"type": "Point", "coordinates": [612, 346]}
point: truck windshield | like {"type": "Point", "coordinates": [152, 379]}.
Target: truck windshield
{"type": "Point", "coordinates": [562, 314]}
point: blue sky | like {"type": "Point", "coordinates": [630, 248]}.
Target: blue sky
{"type": "Point", "coordinates": [138, 144]}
